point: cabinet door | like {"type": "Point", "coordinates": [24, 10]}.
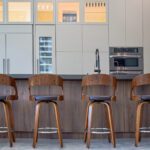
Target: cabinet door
{"type": "Point", "coordinates": [95, 37]}
{"type": "Point", "coordinates": [117, 22]}
{"type": "Point", "coordinates": [146, 35]}
{"type": "Point", "coordinates": [69, 63]}
{"type": "Point", "coordinates": [2, 54]}
{"type": "Point", "coordinates": [45, 49]}
{"type": "Point", "coordinates": [134, 23]}
{"type": "Point", "coordinates": [69, 37]}
{"type": "Point", "coordinates": [19, 53]}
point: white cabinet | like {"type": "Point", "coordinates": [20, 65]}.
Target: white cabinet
{"type": "Point", "coordinates": [89, 61]}
{"type": "Point", "coordinates": [19, 53]}
{"type": "Point", "coordinates": [125, 23]}
{"type": "Point", "coordinates": [2, 53]}
{"type": "Point", "coordinates": [117, 22]}
{"type": "Point", "coordinates": [134, 23]}
{"type": "Point", "coordinates": [69, 63]}
{"type": "Point", "coordinates": [69, 37]}
{"type": "Point", "coordinates": [146, 35]}
{"type": "Point", "coordinates": [45, 49]}
{"type": "Point", "coordinates": [95, 37]}
{"type": "Point", "coordinates": [16, 55]}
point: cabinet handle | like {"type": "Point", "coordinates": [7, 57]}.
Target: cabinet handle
{"type": "Point", "coordinates": [38, 69]}
{"type": "Point", "coordinates": [8, 66]}
{"type": "Point", "coordinates": [4, 66]}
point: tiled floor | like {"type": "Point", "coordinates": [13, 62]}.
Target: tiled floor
{"type": "Point", "coordinates": [45, 144]}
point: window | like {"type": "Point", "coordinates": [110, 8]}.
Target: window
{"type": "Point", "coordinates": [1, 11]}
{"type": "Point", "coordinates": [45, 12]}
{"type": "Point", "coordinates": [19, 11]}
{"type": "Point", "coordinates": [95, 12]}
{"type": "Point", "coordinates": [45, 54]}
{"type": "Point", "coordinates": [68, 12]}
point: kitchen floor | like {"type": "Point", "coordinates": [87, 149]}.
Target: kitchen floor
{"type": "Point", "coordinates": [47, 144]}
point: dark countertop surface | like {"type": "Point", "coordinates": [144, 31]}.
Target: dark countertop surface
{"type": "Point", "coordinates": [70, 77]}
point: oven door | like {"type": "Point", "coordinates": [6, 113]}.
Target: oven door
{"type": "Point", "coordinates": [121, 63]}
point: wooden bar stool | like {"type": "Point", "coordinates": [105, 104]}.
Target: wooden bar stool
{"type": "Point", "coordinates": [94, 80]}
{"type": "Point", "coordinates": [142, 99]}
{"type": "Point", "coordinates": [40, 81]}
{"type": "Point", "coordinates": [8, 82]}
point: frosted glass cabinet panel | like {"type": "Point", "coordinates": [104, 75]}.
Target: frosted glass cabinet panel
{"type": "Point", "coordinates": [19, 12]}
{"type": "Point", "coordinates": [44, 12]}
{"type": "Point", "coordinates": [45, 49]}
{"type": "Point", "coordinates": [1, 11]}
{"type": "Point", "coordinates": [2, 53]}
{"type": "Point", "coordinates": [68, 12]}
{"type": "Point", "coordinates": [95, 12]}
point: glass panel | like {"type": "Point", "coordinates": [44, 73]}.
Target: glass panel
{"type": "Point", "coordinates": [68, 12]}
{"type": "Point", "coordinates": [45, 54]}
{"type": "Point", "coordinates": [126, 62]}
{"type": "Point", "coordinates": [95, 12]}
{"type": "Point", "coordinates": [19, 11]}
{"type": "Point", "coordinates": [1, 11]}
{"type": "Point", "coordinates": [44, 12]}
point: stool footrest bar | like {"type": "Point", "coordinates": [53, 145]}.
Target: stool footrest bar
{"type": "Point", "coordinates": [47, 130]}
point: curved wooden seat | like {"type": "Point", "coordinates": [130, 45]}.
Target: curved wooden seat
{"type": "Point", "coordinates": [8, 81]}
{"type": "Point", "coordinates": [98, 80]}
{"type": "Point", "coordinates": [142, 99]}
{"type": "Point", "coordinates": [43, 80]}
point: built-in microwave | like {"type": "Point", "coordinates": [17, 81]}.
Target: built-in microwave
{"type": "Point", "coordinates": [126, 60]}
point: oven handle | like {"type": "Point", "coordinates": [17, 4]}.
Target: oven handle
{"type": "Point", "coordinates": [125, 56]}
{"type": "Point", "coordinates": [125, 72]}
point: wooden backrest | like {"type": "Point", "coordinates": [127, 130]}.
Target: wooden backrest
{"type": "Point", "coordinates": [100, 80]}
{"type": "Point", "coordinates": [140, 80]}
{"type": "Point", "coordinates": [9, 81]}
{"type": "Point", "coordinates": [45, 80]}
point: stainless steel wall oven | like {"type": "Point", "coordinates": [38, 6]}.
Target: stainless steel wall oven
{"type": "Point", "coordinates": [126, 60]}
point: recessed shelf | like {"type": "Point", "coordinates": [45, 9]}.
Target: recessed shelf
{"type": "Point", "coordinates": [1, 11]}
{"type": "Point", "coordinates": [68, 12]}
{"type": "Point", "coordinates": [95, 12]}
{"type": "Point", "coordinates": [45, 12]}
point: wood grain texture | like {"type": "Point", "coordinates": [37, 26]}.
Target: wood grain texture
{"type": "Point", "coordinates": [73, 109]}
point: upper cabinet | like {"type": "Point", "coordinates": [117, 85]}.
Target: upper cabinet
{"type": "Point", "coordinates": [68, 11]}
{"type": "Point", "coordinates": [125, 23]}
{"type": "Point", "coordinates": [19, 11]}
{"type": "Point", "coordinates": [44, 12]}
{"type": "Point", "coordinates": [95, 11]}
{"type": "Point", "coordinates": [16, 49]}
{"type": "Point", "coordinates": [117, 22]}
{"type": "Point", "coordinates": [1, 11]}
{"type": "Point", "coordinates": [2, 53]}
{"type": "Point", "coordinates": [45, 49]}
{"type": "Point", "coordinates": [134, 29]}
{"type": "Point", "coordinates": [146, 34]}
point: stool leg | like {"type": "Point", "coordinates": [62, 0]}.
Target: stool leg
{"type": "Point", "coordinates": [138, 118]}
{"type": "Point", "coordinates": [6, 110]}
{"type": "Point", "coordinates": [86, 124]}
{"type": "Point", "coordinates": [111, 124]}
{"type": "Point", "coordinates": [37, 111]}
{"type": "Point", "coordinates": [140, 123]}
{"type": "Point", "coordinates": [107, 122]}
{"type": "Point", "coordinates": [11, 121]}
{"type": "Point", "coordinates": [90, 109]}
{"type": "Point", "coordinates": [57, 115]}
